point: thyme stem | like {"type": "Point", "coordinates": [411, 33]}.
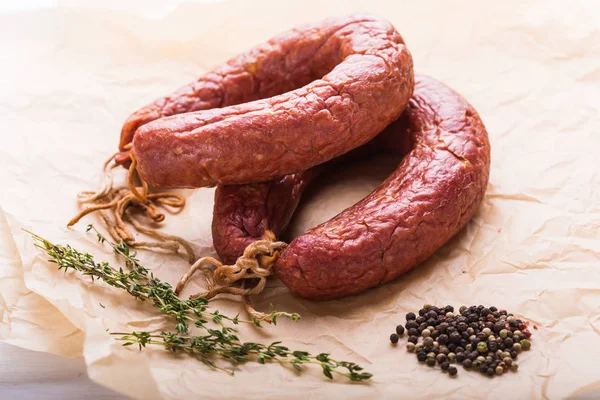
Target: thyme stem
{"type": "Point", "coordinates": [222, 343]}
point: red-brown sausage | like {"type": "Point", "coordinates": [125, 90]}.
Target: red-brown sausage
{"type": "Point", "coordinates": [435, 190]}
{"type": "Point", "coordinates": [242, 213]}
{"type": "Point", "coordinates": [342, 80]}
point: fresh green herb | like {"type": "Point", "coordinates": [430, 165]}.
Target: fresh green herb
{"type": "Point", "coordinates": [222, 343]}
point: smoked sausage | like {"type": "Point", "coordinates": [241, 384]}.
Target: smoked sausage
{"type": "Point", "coordinates": [433, 193]}
{"type": "Point", "coordinates": [303, 98]}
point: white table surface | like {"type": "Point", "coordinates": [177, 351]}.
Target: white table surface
{"type": "Point", "coordinates": [26, 374]}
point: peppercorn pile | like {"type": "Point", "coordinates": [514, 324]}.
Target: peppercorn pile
{"type": "Point", "coordinates": [483, 339]}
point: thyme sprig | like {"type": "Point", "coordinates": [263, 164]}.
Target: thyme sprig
{"type": "Point", "coordinates": [222, 343]}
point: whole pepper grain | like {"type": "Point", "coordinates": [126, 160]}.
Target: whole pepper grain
{"type": "Point", "coordinates": [478, 337]}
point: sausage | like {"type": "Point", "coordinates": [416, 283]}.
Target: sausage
{"type": "Point", "coordinates": [242, 213]}
{"type": "Point", "coordinates": [304, 97]}
{"type": "Point", "coordinates": [433, 193]}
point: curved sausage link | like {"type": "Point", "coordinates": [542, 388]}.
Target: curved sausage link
{"type": "Point", "coordinates": [342, 80]}
{"type": "Point", "coordinates": [435, 190]}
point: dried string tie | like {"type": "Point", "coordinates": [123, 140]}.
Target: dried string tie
{"type": "Point", "coordinates": [116, 206]}
{"type": "Point", "coordinates": [255, 265]}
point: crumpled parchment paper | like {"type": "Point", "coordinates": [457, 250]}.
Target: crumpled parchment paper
{"type": "Point", "coordinates": [71, 75]}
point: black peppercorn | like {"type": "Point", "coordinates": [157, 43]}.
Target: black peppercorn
{"type": "Point", "coordinates": [455, 338]}
{"type": "Point", "coordinates": [410, 316]}
{"type": "Point", "coordinates": [513, 354]}
{"type": "Point", "coordinates": [467, 363]}
{"type": "Point", "coordinates": [394, 338]}
{"type": "Point", "coordinates": [450, 330]}
{"type": "Point", "coordinates": [452, 371]}
{"type": "Point", "coordinates": [413, 339]}
{"type": "Point", "coordinates": [508, 343]}
{"type": "Point", "coordinates": [420, 320]}
{"type": "Point", "coordinates": [413, 332]}
{"type": "Point", "coordinates": [441, 358]}
{"type": "Point", "coordinates": [411, 324]}
{"type": "Point", "coordinates": [442, 327]}
{"type": "Point", "coordinates": [473, 355]}
{"type": "Point", "coordinates": [491, 371]}
{"type": "Point", "coordinates": [431, 322]}
{"type": "Point", "coordinates": [498, 326]}
{"type": "Point", "coordinates": [400, 330]}
{"type": "Point", "coordinates": [492, 346]}
{"type": "Point", "coordinates": [452, 347]}
{"type": "Point", "coordinates": [443, 339]}
{"type": "Point", "coordinates": [475, 342]}
{"type": "Point", "coordinates": [461, 326]}
{"type": "Point", "coordinates": [445, 365]}
{"type": "Point", "coordinates": [460, 357]}
{"type": "Point", "coordinates": [431, 315]}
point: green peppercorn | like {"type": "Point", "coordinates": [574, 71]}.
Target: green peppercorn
{"type": "Point", "coordinates": [475, 364]}
{"type": "Point", "coordinates": [517, 347]}
{"type": "Point", "coordinates": [427, 306]}
{"type": "Point", "coordinates": [418, 346]}
{"type": "Point", "coordinates": [431, 362]}
{"type": "Point", "coordinates": [400, 330]}
{"type": "Point", "coordinates": [525, 344]}
{"type": "Point", "coordinates": [482, 347]}
{"type": "Point", "coordinates": [499, 370]}
{"type": "Point", "coordinates": [431, 355]}
{"type": "Point", "coordinates": [503, 333]}
{"type": "Point", "coordinates": [394, 338]}
{"type": "Point", "coordinates": [462, 309]}
{"type": "Point", "coordinates": [516, 337]}
{"type": "Point", "coordinates": [410, 347]}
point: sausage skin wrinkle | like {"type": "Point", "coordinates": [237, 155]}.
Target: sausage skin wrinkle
{"type": "Point", "coordinates": [433, 193]}
{"type": "Point", "coordinates": [304, 97]}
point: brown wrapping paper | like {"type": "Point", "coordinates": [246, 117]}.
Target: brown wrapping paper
{"type": "Point", "coordinates": [71, 76]}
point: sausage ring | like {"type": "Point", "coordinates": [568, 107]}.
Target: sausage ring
{"type": "Point", "coordinates": [303, 98]}
{"type": "Point", "coordinates": [433, 193]}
